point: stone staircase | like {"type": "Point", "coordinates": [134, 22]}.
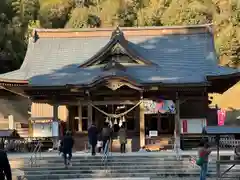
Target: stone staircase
{"type": "Point", "coordinates": [119, 166]}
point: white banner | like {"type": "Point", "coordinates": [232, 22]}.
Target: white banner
{"type": "Point", "coordinates": [193, 126]}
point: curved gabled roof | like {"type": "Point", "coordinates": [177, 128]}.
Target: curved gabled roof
{"type": "Point", "coordinates": [180, 55]}
{"type": "Point", "coordinates": [116, 38]}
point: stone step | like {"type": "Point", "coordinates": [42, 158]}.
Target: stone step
{"type": "Point", "coordinates": [123, 178]}
{"type": "Point", "coordinates": [146, 178]}
{"type": "Point", "coordinates": [118, 158]}
{"type": "Point", "coordinates": [131, 171]}
{"type": "Point", "coordinates": [111, 159]}
{"type": "Point", "coordinates": [75, 166]}
{"type": "Point", "coordinates": [131, 166]}
{"type": "Point", "coordinates": [123, 165]}
{"type": "Point", "coordinates": [91, 165]}
{"type": "Point", "coordinates": [100, 162]}
{"type": "Point", "coordinates": [115, 175]}
{"type": "Point", "coordinates": [123, 156]}
{"type": "Point", "coordinates": [109, 164]}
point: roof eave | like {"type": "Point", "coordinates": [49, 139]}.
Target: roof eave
{"type": "Point", "coordinates": [200, 84]}
{"type": "Point", "coordinates": [226, 81]}
{"type": "Point", "coordinates": [225, 76]}
{"type": "Point", "coordinates": [13, 81]}
{"type": "Point", "coordinates": [121, 78]}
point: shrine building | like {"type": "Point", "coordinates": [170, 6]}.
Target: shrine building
{"type": "Point", "coordinates": [156, 80]}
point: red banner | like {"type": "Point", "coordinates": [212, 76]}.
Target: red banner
{"type": "Point", "coordinates": [221, 117]}
{"type": "Point", "coordinates": [185, 126]}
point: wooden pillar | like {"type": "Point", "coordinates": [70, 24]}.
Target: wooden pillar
{"type": "Point", "coordinates": [11, 123]}
{"type": "Point", "coordinates": [55, 112]}
{"type": "Point", "coordinates": [80, 117]}
{"type": "Point", "coordinates": [159, 123]}
{"type": "Point", "coordinates": [90, 120]}
{"type": "Point", "coordinates": [68, 123]}
{"type": "Point", "coordinates": [142, 125]}
{"type": "Point", "coordinates": [177, 130]}
{"type": "Point", "coordinates": [55, 118]}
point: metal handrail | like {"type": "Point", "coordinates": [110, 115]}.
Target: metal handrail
{"type": "Point", "coordinates": [33, 158]}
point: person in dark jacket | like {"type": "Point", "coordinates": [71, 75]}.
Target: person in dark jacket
{"type": "Point", "coordinates": [5, 169]}
{"type": "Point", "coordinates": [93, 137]}
{"type": "Point", "coordinates": [67, 145]}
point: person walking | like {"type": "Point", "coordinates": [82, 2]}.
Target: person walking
{"type": "Point", "coordinates": [122, 138]}
{"type": "Point", "coordinates": [67, 145]}
{"type": "Point", "coordinates": [93, 138]}
{"type": "Point", "coordinates": [5, 168]}
{"type": "Point", "coordinates": [106, 135]}
{"type": "Point", "coordinates": [203, 152]}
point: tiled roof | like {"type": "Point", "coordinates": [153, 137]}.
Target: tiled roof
{"type": "Point", "coordinates": [179, 58]}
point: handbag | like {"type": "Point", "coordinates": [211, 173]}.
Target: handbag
{"type": "Point", "coordinates": [99, 144]}
{"type": "Point", "coordinates": [200, 161]}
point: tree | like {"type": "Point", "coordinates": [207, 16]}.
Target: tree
{"type": "Point", "coordinates": [55, 13]}
{"type": "Point", "coordinates": [187, 12]}
{"type": "Point", "coordinates": [12, 45]}
{"type": "Point", "coordinates": [151, 14]}
{"type": "Point", "coordinates": [82, 18]}
{"type": "Point", "coordinates": [235, 52]}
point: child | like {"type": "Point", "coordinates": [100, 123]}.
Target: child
{"type": "Point", "coordinates": [99, 143]}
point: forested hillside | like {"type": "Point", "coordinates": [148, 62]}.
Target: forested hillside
{"type": "Point", "coordinates": [18, 17]}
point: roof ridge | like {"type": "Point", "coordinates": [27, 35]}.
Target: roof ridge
{"type": "Point", "coordinates": [122, 28]}
{"type": "Point", "coordinates": [128, 31]}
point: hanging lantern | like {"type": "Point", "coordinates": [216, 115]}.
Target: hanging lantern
{"type": "Point", "coordinates": [123, 119]}
{"type": "Point", "coordinates": [107, 120]}
{"type": "Point", "coordinates": [115, 121]}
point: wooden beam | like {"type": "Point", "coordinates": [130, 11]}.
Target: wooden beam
{"type": "Point", "coordinates": [110, 102]}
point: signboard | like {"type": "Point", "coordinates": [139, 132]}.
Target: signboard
{"type": "Point", "coordinates": [153, 133]}
{"type": "Point", "coordinates": [193, 126]}
{"type": "Point", "coordinates": [160, 106]}
{"type": "Point", "coordinates": [50, 129]}
{"type": "Point", "coordinates": [42, 130]}
{"type": "Point", "coordinates": [221, 117]}
{"type": "Point", "coordinates": [55, 129]}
